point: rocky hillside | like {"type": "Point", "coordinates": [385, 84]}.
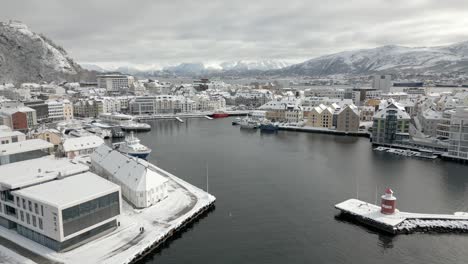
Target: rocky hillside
{"type": "Point", "coordinates": [389, 59]}
{"type": "Point", "coordinates": [29, 57]}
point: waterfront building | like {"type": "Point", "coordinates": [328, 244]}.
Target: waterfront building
{"type": "Point", "coordinates": [458, 141]}
{"type": "Point", "coordinates": [141, 105]}
{"type": "Point", "coordinates": [321, 116]}
{"type": "Point", "coordinates": [443, 127]}
{"type": "Point", "coordinates": [382, 82]}
{"type": "Point", "coordinates": [142, 183]}
{"type": "Point", "coordinates": [57, 203]}
{"type": "Point", "coordinates": [24, 150]}
{"type": "Point", "coordinates": [72, 147]}
{"type": "Point", "coordinates": [391, 125]}
{"type": "Point", "coordinates": [293, 114]}
{"type": "Point", "coordinates": [348, 119]}
{"type": "Point", "coordinates": [429, 120]}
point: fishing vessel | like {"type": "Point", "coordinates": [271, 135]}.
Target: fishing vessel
{"type": "Point", "coordinates": [219, 114]}
{"type": "Point", "coordinates": [248, 123]}
{"type": "Point", "coordinates": [132, 146]}
{"type": "Point", "coordinates": [268, 126]}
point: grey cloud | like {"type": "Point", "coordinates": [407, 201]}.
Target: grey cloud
{"type": "Point", "coordinates": [163, 31]}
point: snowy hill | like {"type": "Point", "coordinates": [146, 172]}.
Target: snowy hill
{"type": "Point", "coordinates": [391, 59]}
{"type": "Point", "coordinates": [29, 57]}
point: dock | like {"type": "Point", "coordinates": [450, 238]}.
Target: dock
{"type": "Point", "coordinates": [403, 222]}
{"type": "Point", "coordinates": [322, 130]}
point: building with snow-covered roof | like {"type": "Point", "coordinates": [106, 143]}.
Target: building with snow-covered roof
{"type": "Point", "coordinates": [8, 136]}
{"type": "Point", "coordinates": [391, 125]}
{"type": "Point", "coordinates": [142, 183]}
{"type": "Point", "coordinates": [57, 203]}
{"type": "Point", "coordinates": [348, 119]}
{"type": "Point", "coordinates": [429, 120]}
{"type": "Point", "coordinates": [24, 150]}
{"type": "Point", "coordinates": [73, 147]}
{"type": "Point", "coordinates": [458, 140]}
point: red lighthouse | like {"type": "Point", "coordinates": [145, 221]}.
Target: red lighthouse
{"type": "Point", "coordinates": [388, 205]}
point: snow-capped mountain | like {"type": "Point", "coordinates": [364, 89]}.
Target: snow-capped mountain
{"type": "Point", "coordinates": [263, 65]}
{"type": "Point", "coordinates": [92, 67]}
{"type": "Point", "coordinates": [27, 56]}
{"type": "Point", "coordinates": [390, 58]}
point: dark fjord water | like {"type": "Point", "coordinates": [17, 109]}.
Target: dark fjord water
{"type": "Point", "coordinates": [275, 196]}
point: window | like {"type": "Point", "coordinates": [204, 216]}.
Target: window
{"type": "Point", "coordinates": [22, 216]}
{"type": "Point", "coordinates": [34, 220]}
{"type": "Point", "coordinates": [40, 223]}
{"type": "Point", "coordinates": [30, 206]}
{"type": "Point", "coordinates": [42, 210]}
{"type": "Point", "coordinates": [18, 201]}
{"type": "Point", "coordinates": [36, 208]}
{"type": "Point", "coordinates": [28, 220]}
{"type": "Point", "coordinates": [24, 203]}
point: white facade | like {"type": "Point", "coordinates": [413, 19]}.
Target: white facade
{"type": "Point", "coordinates": [115, 83]}
{"type": "Point", "coordinates": [73, 147]}
{"type": "Point", "coordinates": [142, 183]}
{"type": "Point", "coordinates": [382, 82]}
{"type": "Point", "coordinates": [43, 199]}
{"type": "Point", "coordinates": [56, 111]}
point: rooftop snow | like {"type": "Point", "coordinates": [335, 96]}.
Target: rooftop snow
{"type": "Point", "coordinates": [24, 146]}
{"type": "Point", "coordinates": [79, 143]}
{"type": "Point", "coordinates": [69, 191]}
{"type": "Point", "coordinates": [35, 171]}
{"type": "Point", "coordinates": [137, 174]}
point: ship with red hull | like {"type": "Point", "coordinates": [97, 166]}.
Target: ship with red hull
{"type": "Point", "coordinates": [219, 115]}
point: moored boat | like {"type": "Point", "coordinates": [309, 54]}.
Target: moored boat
{"type": "Point", "coordinates": [248, 123]}
{"type": "Point", "coordinates": [219, 114]}
{"type": "Point", "coordinates": [132, 146]}
{"type": "Point", "coordinates": [236, 121]}
{"type": "Point", "coordinates": [268, 127]}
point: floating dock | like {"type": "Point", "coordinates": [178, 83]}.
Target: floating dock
{"type": "Point", "coordinates": [403, 222]}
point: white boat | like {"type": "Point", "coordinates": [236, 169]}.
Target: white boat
{"type": "Point", "coordinates": [134, 126]}
{"type": "Point", "coordinates": [132, 146]}
{"type": "Point", "coordinates": [248, 123]}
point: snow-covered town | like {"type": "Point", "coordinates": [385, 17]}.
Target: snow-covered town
{"type": "Point", "coordinates": [233, 132]}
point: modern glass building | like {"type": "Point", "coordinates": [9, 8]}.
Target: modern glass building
{"type": "Point", "coordinates": [59, 206]}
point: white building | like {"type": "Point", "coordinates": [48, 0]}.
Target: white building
{"type": "Point", "coordinates": [56, 203]}
{"type": "Point", "coordinates": [142, 183]}
{"type": "Point", "coordinates": [458, 141]}
{"type": "Point", "coordinates": [115, 83]}
{"type": "Point", "coordinates": [73, 147]}
{"type": "Point", "coordinates": [9, 136]}
{"type": "Point", "coordinates": [56, 111]}
{"type": "Point", "coordinates": [382, 82]}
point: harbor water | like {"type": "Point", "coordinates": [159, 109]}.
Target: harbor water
{"type": "Point", "coordinates": [275, 196]}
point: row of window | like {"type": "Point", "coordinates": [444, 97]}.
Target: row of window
{"type": "Point", "coordinates": [28, 205]}
{"type": "Point", "coordinates": [31, 218]}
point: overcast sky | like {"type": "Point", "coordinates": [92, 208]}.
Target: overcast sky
{"type": "Point", "coordinates": [163, 32]}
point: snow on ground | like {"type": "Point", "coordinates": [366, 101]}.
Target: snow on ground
{"type": "Point", "coordinates": [122, 244]}
{"type": "Point", "coordinates": [11, 257]}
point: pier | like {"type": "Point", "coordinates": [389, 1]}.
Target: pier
{"type": "Point", "coordinates": [324, 131]}
{"type": "Point", "coordinates": [402, 222]}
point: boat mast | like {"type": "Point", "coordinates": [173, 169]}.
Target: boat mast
{"type": "Point", "coordinates": [207, 177]}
